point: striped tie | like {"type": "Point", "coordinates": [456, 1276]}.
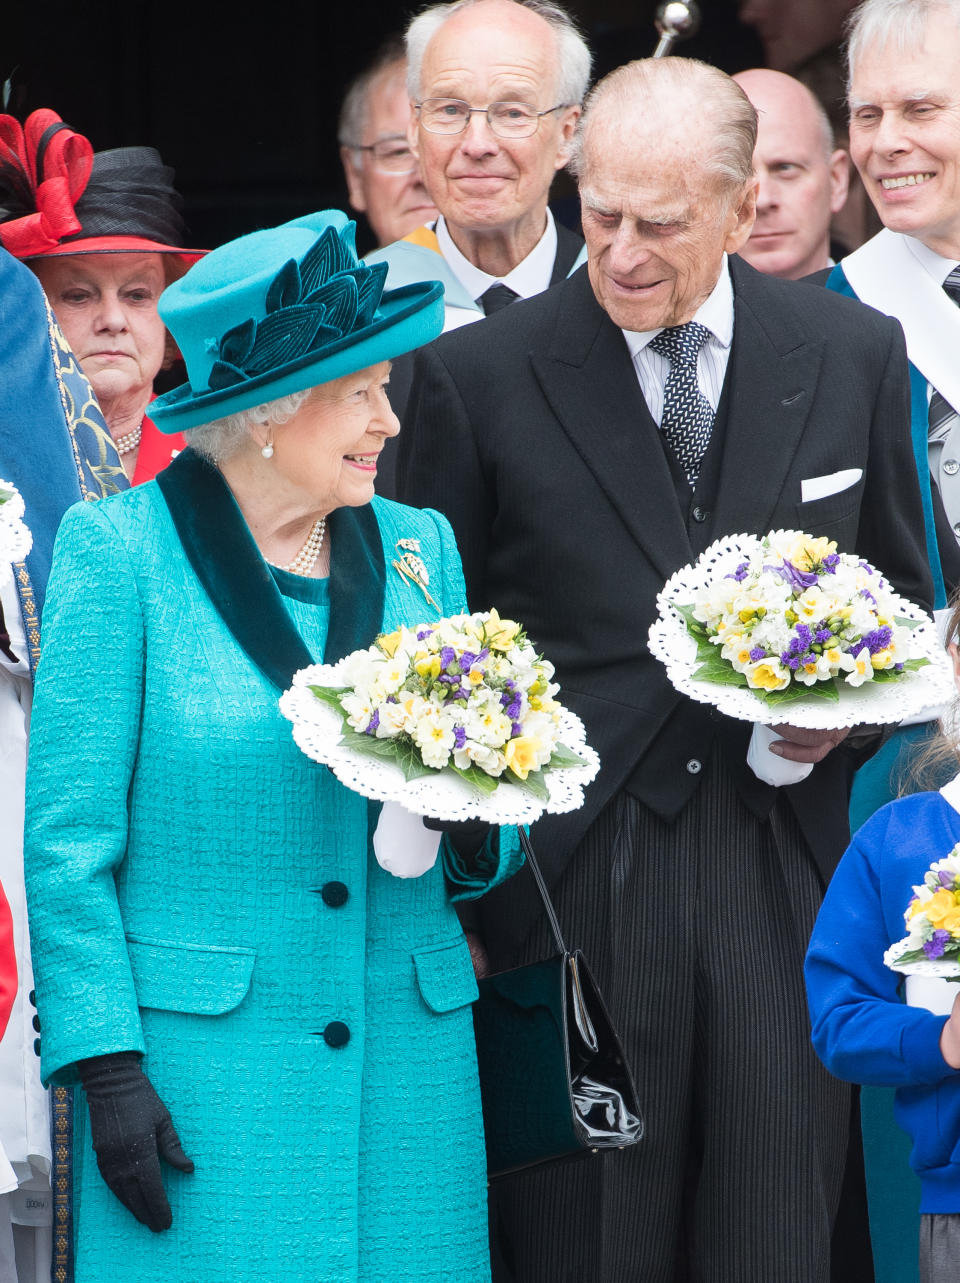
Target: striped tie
{"type": "Point", "coordinates": [942, 414]}
{"type": "Point", "coordinates": [687, 418]}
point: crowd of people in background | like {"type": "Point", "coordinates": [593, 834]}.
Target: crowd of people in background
{"type": "Point", "coordinates": [235, 1047]}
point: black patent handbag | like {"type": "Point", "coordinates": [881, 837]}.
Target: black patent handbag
{"type": "Point", "coordinates": [554, 1080]}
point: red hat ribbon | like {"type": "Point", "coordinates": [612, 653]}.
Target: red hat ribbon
{"type": "Point", "coordinates": [44, 170]}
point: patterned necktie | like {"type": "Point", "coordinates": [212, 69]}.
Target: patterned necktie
{"type": "Point", "coordinates": [496, 297]}
{"type": "Point", "coordinates": [942, 414]}
{"type": "Point", "coordinates": [687, 418]}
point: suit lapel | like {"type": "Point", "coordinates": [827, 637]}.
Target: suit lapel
{"type": "Point", "coordinates": [569, 245]}
{"type": "Point", "coordinates": [588, 378]}
{"type": "Point", "coordinates": [771, 383]}
{"type": "Point", "coordinates": [235, 577]}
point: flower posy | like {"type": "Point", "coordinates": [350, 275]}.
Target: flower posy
{"type": "Point", "coordinates": [789, 612]}
{"type": "Point", "coordinates": [468, 693]}
{"type": "Point", "coordinates": [15, 539]}
{"type": "Point", "coordinates": [932, 917]}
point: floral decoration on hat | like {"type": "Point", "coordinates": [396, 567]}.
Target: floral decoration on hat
{"type": "Point", "coordinates": [309, 304]}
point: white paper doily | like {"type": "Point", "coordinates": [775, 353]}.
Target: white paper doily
{"type": "Point", "coordinates": [923, 967]}
{"type": "Point", "coordinates": [442, 794]}
{"type": "Point", "coordinates": [670, 642]}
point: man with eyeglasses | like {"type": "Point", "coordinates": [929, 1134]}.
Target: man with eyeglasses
{"type": "Point", "coordinates": [382, 173]}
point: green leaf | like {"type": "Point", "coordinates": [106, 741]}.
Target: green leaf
{"type": "Point", "coordinates": [479, 779]}
{"type": "Point", "coordinates": [369, 745]}
{"type": "Point", "coordinates": [694, 626]}
{"type": "Point", "coordinates": [912, 665]}
{"type": "Point", "coordinates": [796, 692]}
{"type": "Point", "coordinates": [533, 784]}
{"type": "Point", "coordinates": [563, 756]}
{"type": "Point", "coordinates": [907, 623]}
{"type": "Point", "coordinates": [330, 695]}
{"type": "Point", "coordinates": [411, 763]}
{"type": "Point", "coordinates": [719, 675]}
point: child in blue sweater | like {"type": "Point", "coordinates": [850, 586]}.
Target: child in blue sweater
{"type": "Point", "coordinates": [863, 1031]}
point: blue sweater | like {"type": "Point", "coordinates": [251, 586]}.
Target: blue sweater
{"type": "Point", "coordinates": [862, 1031]}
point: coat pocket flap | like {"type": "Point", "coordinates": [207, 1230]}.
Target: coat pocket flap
{"type": "Point", "coordinates": [206, 980]}
{"type": "Point", "coordinates": [445, 975]}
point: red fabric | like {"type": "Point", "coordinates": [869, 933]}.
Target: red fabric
{"type": "Point", "coordinates": [8, 963]}
{"type": "Point", "coordinates": [156, 450]}
{"type": "Point", "coordinates": [67, 163]}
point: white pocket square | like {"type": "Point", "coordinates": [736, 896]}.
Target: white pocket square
{"type": "Point", "coordinates": [831, 483]}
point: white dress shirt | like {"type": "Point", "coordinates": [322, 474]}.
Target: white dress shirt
{"type": "Point", "coordinates": [652, 368]}
{"type": "Point", "coordinates": [530, 276]}
{"type": "Point", "coordinates": [943, 450]}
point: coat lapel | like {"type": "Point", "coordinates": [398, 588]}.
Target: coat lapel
{"type": "Point", "coordinates": [772, 380]}
{"type": "Point", "coordinates": [238, 582]}
{"type": "Point", "coordinates": [589, 380]}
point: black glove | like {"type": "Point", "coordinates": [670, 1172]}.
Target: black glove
{"type": "Point", "coordinates": [131, 1131]}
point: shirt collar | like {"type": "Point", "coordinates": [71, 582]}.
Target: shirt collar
{"type": "Point", "coordinates": [716, 313]}
{"type": "Point", "coordinates": [530, 276]}
{"type": "Point", "coordinates": [933, 263]}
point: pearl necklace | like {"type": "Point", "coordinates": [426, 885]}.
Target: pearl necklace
{"type": "Point", "coordinates": [305, 560]}
{"type": "Point", "coordinates": [127, 443]}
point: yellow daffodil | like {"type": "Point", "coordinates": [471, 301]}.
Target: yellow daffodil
{"type": "Point", "coordinates": [388, 642]}
{"type": "Point", "coordinates": [521, 755]}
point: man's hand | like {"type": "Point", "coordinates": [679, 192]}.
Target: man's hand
{"type": "Point", "coordinates": [799, 745]}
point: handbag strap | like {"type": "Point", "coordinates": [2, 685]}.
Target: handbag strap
{"type": "Point", "coordinates": [542, 888]}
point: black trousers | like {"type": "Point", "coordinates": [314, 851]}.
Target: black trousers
{"type": "Point", "coordinates": [696, 932]}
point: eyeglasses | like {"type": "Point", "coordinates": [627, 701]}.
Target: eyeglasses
{"type": "Point", "coordinates": [506, 119]}
{"type": "Point", "coordinates": [391, 155]}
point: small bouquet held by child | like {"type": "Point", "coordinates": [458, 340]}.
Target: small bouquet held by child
{"type": "Point", "coordinates": [784, 628]}
{"type": "Point", "coordinates": [932, 944]}
{"type": "Point", "coordinates": [15, 538]}
{"type": "Point", "coordinates": [455, 719]}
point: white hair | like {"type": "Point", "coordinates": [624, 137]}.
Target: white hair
{"type": "Point", "coordinates": [221, 438]}
{"type": "Point", "coordinates": [650, 87]}
{"type": "Point", "coordinates": [902, 21]}
{"type": "Point", "coordinates": [355, 110]}
{"type": "Point", "coordinates": [573, 55]}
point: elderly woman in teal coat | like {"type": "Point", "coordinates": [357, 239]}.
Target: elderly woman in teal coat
{"type": "Point", "coordinates": [273, 1033]}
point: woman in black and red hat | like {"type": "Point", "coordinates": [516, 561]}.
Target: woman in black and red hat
{"type": "Point", "coordinates": [102, 232]}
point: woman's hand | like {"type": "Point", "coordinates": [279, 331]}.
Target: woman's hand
{"type": "Point", "coordinates": [131, 1131]}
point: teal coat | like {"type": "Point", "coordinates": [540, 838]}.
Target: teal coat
{"type": "Point", "coordinates": [187, 868]}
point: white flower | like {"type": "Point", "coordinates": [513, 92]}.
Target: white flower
{"type": "Point", "coordinates": [858, 667]}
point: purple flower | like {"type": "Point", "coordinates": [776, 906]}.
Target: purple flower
{"type": "Point", "coordinates": [740, 573]}
{"type": "Point", "coordinates": [447, 656]}
{"type": "Point", "coordinates": [467, 661]}
{"type": "Point", "coordinates": [946, 878]}
{"type": "Point", "coordinates": [424, 633]}
{"type": "Point", "coordinates": [373, 723]}
{"type": "Point", "coordinates": [797, 579]}
{"type": "Point", "coordinates": [831, 562]}
{"type": "Point", "coordinates": [757, 653]}
{"type": "Point", "coordinates": [822, 635]}
{"type": "Point", "coordinates": [865, 565]}
{"type": "Point", "coordinates": [879, 639]}
{"type": "Point", "coordinates": [516, 729]}
{"type": "Point", "coordinates": [459, 737]}
{"type": "Point", "coordinates": [935, 946]}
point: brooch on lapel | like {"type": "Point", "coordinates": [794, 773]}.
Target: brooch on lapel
{"type": "Point", "coordinates": [411, 568]}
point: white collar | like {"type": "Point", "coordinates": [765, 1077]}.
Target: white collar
{"type": "Point", "coordinates": [900, 276]}
{"type": "Point", "coordinates": [937, 266]}
{"type": "Point", "coordinates": [530, 276]}
{"type": "Point", "coordinates": [716, 313]}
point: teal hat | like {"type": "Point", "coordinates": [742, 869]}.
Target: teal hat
{"type": "Point", "coordinates": [282, 310]}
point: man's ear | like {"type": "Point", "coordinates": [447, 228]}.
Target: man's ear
{"type": "Point", "coordinates": [839, 180]}
{"type": "Point", "coordinates": [743, 216]}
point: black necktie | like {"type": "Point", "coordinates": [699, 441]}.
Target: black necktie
{"type": "Point", "coordinates": [687, 418]}
{"type": "Point", "coordinates": [942, 413]}
{"type": "Point", "coordinates": [496, 297]}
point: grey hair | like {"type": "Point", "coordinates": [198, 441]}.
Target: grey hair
{"type": "Point", "coordinates": [573, 55]}
{"type": "Point", "coordinates": [222, 438]}
{"type": "Point", "coordinates": [355, 109]}
{"type": "Point", "coordinates": [902, 21]}
{"type": "Point", "coordinates": [650, 87]}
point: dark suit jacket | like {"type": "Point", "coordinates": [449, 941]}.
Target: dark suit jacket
{"type": "Point", "coordinates": [531, 433]}
{"type": "Point", "coordinates": [569, 245]}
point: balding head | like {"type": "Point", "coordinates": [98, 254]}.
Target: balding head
{"type": "Point", "coordinates": [666, 185]}
{"type": "Point", "coordinates": [802, 176]}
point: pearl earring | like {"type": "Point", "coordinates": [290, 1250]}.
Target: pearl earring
{"type": "Point", "coordinates": [267, 450]}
